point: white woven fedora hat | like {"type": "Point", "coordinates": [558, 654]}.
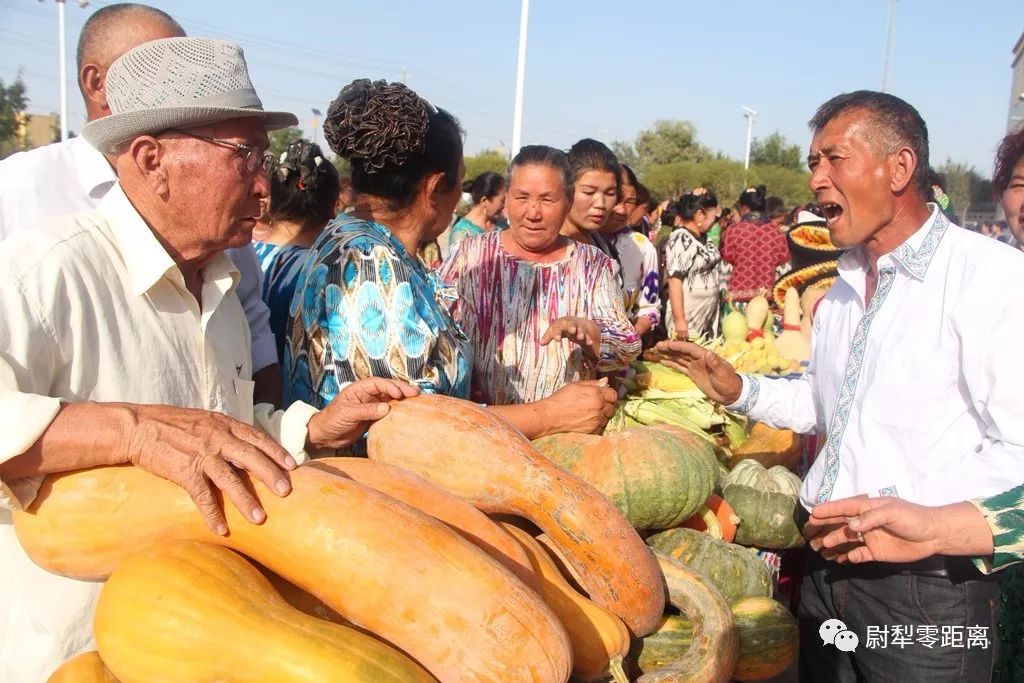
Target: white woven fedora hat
{"type": "Point", "coordinates": [177, 83]}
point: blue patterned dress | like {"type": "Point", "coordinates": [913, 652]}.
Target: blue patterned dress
{"type": "Point", "coordinates": [280, 265]}
{"type": "Point", "coordinates": [364, 307]}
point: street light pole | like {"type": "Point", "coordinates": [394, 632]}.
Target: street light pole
{"type": "Point", "coordinates": [889, 38]}
{"type": "Point", "coordinates": [63, 67]}
{"type": "Point", "coordinates": [316, 123]}
{"type": "Point", "coordinates": [63, 72]}
{"type": "Point", "coordinates": [749, 114]}
{"type": "Point", "coordinates": [517, 115]}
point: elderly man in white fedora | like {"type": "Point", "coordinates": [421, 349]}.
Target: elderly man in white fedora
{"type": "Point", "coordinates": [123, 341]}
{"type": "Point", "coordinates": [72, 175]}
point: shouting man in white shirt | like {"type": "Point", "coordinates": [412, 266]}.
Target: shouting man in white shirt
{"type": "Point", "coordinates": [915, 381]}
{"type": "Point", "coordinates": [123, 340]}
{"type": "Point", "coordinates": [70, 176]}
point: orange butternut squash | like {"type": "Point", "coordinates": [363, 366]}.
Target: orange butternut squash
{"type": "Point", "coordinates": [190, 611]}
{"type": "Point", "coordinates": [384, 566]}
{"type": "Point", "coordinates": [85, 668]}
{"type": "Point", "coordinates": [482, 458]}
{"type": "Point", "coordinates": [600, 640]}
{"type": "Point", "coordinates": [435, 501]}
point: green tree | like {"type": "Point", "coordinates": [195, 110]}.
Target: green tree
{"type": "Point", "coordinates": [725, 178]}
{"type": "Point", "coordinates": [785, 182]}
{"type": "Point", "coordinates": [776, 150]}
{"type": "Point", "coordinates": [13, 100]}
{"type": "Point", "coordinates": [280, 139]}
{"type": "Point", "coordinates": [669, 141]}
{"type": "Point", "coordinates": [958, 185]}
{"type": "Point", "coordinates": [486, 160]}
{"type": "Point", "coordinates": [722, 176]}
{"type": "Point", "coordinates": [625, 153]}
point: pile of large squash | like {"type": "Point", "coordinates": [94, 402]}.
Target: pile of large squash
{"type": "Point", "coordinates": [466, 555]}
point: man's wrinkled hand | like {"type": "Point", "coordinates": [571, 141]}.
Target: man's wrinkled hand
{"type": "Point", "coordinates": [202, 451]}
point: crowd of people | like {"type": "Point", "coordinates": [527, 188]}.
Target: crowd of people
{"type": "Point", "coordinates": [182, 301]}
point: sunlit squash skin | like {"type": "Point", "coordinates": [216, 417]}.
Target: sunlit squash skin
{"type": "Point", "coordinates": [85, 668]}
{"type": "Point", "coordinates": [419, 493]}
{"type": "Point", "coordinates": [188, 612]}
{"type": "Point", "coordinates": [488, 462]}
{"type": "Point", "coordinates": [382, 565]}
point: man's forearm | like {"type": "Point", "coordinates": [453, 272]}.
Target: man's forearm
{"type": "Point", "coordinates": [963, 530]}
{"type": "Point", "coordinates": [86, 434]}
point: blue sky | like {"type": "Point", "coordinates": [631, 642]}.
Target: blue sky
{"type": "Point", "coordinates": [601, 69]}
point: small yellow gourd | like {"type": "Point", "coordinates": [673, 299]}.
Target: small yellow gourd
{"type": "Point", "coordinates": [599, 639]}
{"type": "Point", "coordinates": [791, 343]}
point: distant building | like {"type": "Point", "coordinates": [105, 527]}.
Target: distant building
{"type": "Point", "coordinates": [36, 130]}
{"type": "Point", "coordinates": [1016, 116]}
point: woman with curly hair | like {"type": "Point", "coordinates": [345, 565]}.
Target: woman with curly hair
{"type": "Point", "coordinates": [304, 189]}
{"type": "Point", "coordinates": [364, 304]}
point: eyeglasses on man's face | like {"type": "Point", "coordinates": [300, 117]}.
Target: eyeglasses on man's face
{"type": "Point", "coordinates": [253, 158]}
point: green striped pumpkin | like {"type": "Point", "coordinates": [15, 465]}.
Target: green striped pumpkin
{"type": "Point", "coordinates": [736, 572]}
{"type": "Point", "coordinates": [767, 633]}
{"type": "Point", "coordinates": [656, 476]}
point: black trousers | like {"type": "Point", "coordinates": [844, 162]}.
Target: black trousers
{"type": "Point", "coordinates": [944, 611]}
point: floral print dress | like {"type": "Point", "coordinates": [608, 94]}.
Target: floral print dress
{"type": "Point", "coordinates": [505, 305]}
{"type": "Point", "coordinates": [696, 263]}
{"type": "Point", "coordinates": [364, 307]}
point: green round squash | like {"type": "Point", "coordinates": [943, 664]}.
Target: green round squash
{"type": "Point", "coordinates": [751, 473]}
{"type": "Point", "coordinates": [657, 477]}
{"type": "Point", "coordinates": [736, 572]}
{"type": "Point", "coordinates": [766, 517]}
{"type": "Point", "coordinates": [767, 633]}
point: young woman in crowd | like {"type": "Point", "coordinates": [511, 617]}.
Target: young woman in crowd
{"type": "Point", "coordinates": [542, 310]}
{"type": "Point", "coordinates": [595, 176]}
{"type": "Point", "coordinates": [638, 258]}
{"type": "Point", "coordinates": [488, 193]}
{"type": "Point", "coordinates": [365, 305]}
{"type": "Point", "coordinates": [304, 190]}
{"type": "Point", "coordinates": [692, 266]}
{"type": "Point", "coordinates": [753, 247]}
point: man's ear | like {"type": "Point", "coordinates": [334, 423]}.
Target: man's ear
{"type": "Point", "coordinates": [148, 156]}
{"type": "Point", "coordinates": [902, 165]}
{"type": "Point", "coordinates": [93, 83]}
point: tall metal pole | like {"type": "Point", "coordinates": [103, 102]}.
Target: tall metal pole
{"type": "Point", "coordinates": [749, 114]}
{"type": "Point", "coordinates": [517, 116]}
{"type": "Point", "coordinates": [889, 39]}
{"type": "Point", "coordinates": [63, 73]}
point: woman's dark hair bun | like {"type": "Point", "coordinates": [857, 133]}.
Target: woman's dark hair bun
{"type": "Point", "coordinates": [377, 124]}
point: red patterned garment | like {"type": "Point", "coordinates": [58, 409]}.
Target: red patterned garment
{"type": "Point", "coordinates": [754, 250]}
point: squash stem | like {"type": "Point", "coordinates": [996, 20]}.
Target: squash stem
{"type": "Point", "coordinates": [615, 669]}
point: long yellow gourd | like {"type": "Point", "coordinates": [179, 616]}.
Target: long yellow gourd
{"type": "Point", "coordinates": [188, 612]}
{"type": "Point", "coordinates": [600, 640]}
{"type": "Point", "coordinates": [382, 565]}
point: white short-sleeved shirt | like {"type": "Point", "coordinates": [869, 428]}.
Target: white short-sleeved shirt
{"type": "Point", "coordinates": [71, 176]}
{"type": "Point", "coordinates": [94, 309]}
